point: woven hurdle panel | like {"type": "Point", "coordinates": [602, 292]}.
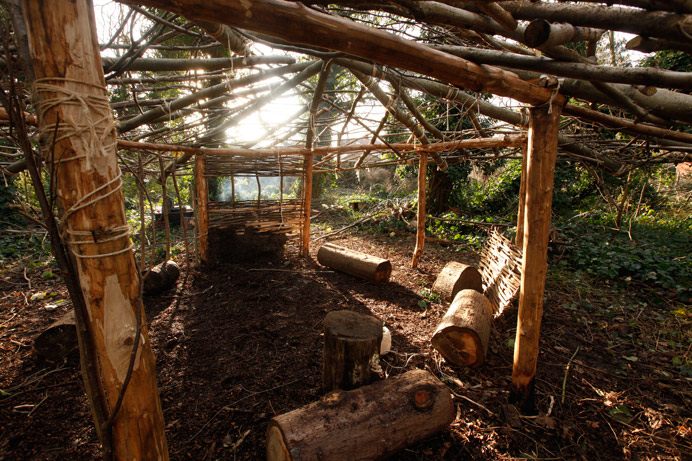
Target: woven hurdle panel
{"type": "Point", "coordinates": [500, 268]}
{"type": "Point", "coordinates": [284, 216]}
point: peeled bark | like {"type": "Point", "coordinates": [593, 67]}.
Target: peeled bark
{"type": "Point", "coordinates": [462, 335]}
{"type": "Point", "coordinates": [361, 265]}
{"type": "Point", "coordinates": [363, 424]}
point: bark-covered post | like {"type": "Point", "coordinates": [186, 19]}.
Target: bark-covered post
{"type": "Point", "coordinates": [519, 237]}
{"type": "Point", "coordinates": [420, 217]}
{"type": "Point", "coordinates": [541, 157]}
{"type": "Point", "coordinates": [77, 134]}
{"type": "Point", "coordinates": [202, 191]}
{"type": "Point", "coordinates": [307, 197]}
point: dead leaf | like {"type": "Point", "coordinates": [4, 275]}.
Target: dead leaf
{"type": "Point", "coordinates": [546, 421]}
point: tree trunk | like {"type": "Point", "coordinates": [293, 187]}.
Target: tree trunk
{"type": "Point", "coordinates": [202, 191]}
{"type": "Point", "coordinates": [307, 205]}
{"type": "Point", "coordinates": [72, 106]}
{"type": "Point", "coordinates": [364, 424]}
{"type": "Point", "coordinates": [462, 336]}
{"type": "Point", "coordinates": [541, 157]}
{"type": "Point", "coordinates": [519, 237]}
{"type": "Point", "coordinates": [351, 344]}
{"type": "Point", "coordinates": [420, 215]}
{"type": "Point", "coordinates": [455, 277]}
{"type": "Point", "coordinates": [361, 265]}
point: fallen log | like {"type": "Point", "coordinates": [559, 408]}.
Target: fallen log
{"type": "Point", "coordinates": [160, 278]}
{"type": "Point", "coordinates": [363, 424]}
{"type": "Point", "coordinates": [58, 340]}
{"type": "Point", "coordinates": [462, 336]}
{"type": "Point", "coordinates": [455, 277]}
{"type": "Point", "coordinates": [361, 265]}
{"type": "Point", "coordinates": [351, 346]}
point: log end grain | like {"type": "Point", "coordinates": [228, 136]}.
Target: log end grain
{"type": "Point", "coordinates": [459, 346]}
{"type": "Point", "coordinates": [463, 334]}
{"type": "Point", "coordinates": [276, 447]}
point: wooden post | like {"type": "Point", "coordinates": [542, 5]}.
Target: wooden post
{"type": "Point", "coordinates": [307, 196]}
{"type": "Point", "coordinates": [77, 135]}
{"type": "Point", "coordinates": [541, 157]}
{"type": "Point", "coordinates": [420, 221]}
{"type": "Point", "coordinates": [519, 237]}
{"type": "Point", "coordinates": [202, 188]}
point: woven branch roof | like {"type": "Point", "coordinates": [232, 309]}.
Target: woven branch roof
{"type": "Point", "coordinates": [454, 52]}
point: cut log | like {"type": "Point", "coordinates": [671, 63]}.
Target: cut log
{"type": "Point", "coordinates": [361, 265]}
{"type": "Point", "coordinates": [161, 277]}
{"type": "Point", "coordinates": [456, 277]}
{"type": "Point", "coordinates": [58, 340]}
{"type": "Point", "coordinates": [462, 336]}
{"type": "Point", "coordinates": [351, 344]}
{"type": "Point", "coordinates": [363, 424]}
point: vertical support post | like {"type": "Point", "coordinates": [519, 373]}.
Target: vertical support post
{"type": "Point", "coordinates": [541, 157]}
{"type": "Point", "coordinates": [420, 217]}
{"type": "Point", "coordinates": [202, 189]}
{"type": "Point", "coordinates": [307, 196]}
{"type": "Point", "coordinates": [78, 140]}
{"type": "Point", "coordinates": [519, 238]}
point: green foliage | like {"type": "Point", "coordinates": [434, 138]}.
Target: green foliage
{"type": "Point", "coordinates": [669, 59]}
{"type": "Point", "coordinates": [658, 258]}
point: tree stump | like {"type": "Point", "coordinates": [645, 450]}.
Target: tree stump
{"type": "Point", "coordinates": [160, 278]}
{"type": "Point", "coordinates": [456, 277]}
{"type": "Point", "coordinates": [462, 336]}
{"type": "Point", "coordinates": [59, 339]}
{"type": "Point", "coordinates": [361, 265]}
{"type": "Point", "coordinates": [351, 344]}
{"type": "Point", "coordinates": [363, 424]}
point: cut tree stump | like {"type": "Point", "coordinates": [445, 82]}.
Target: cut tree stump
{"type": "Point", "coordinates": [59, 339]}
{"type": "Point", "coordinates": [462, 336]}
{"type": "Point", "coordinates": [161, 277]}
{"type": "Point", "coordinates": [456, 277]}
{"type": "Point", "coordinates": [351, 348]}
{"type": "Point", "coordinates": [361, 265]}
{"type": "Point", "coordinates": [363, 424]}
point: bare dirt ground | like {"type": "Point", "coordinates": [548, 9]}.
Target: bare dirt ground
{"type": "Point", "coordinates": [237, 344]}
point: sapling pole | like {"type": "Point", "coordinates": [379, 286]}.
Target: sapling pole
{"type": "Point", "coordinates": [541, 157]}
{"type": "Point", "coordinates": [78, 141]}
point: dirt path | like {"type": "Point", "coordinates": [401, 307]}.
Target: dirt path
{"type": "Point", "coordinates": [237, 344]}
